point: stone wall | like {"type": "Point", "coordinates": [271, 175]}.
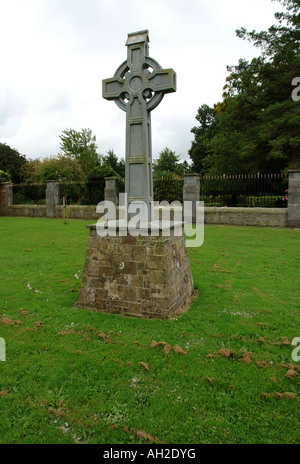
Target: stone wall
{"type": "Point", "coordinates": [27, 211]}
{"type": "Point", "coordinates": [259, 217]}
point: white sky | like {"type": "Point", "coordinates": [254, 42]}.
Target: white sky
{"type": "Point", "coordinates": [55, 53]}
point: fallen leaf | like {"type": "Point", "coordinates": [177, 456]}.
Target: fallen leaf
{"type": "Point", "coordinates": [179, 350]}
{"type": "Point", "coordinates": [285, 395]}
{"type": "Point", "coordinates": [262, 364]}
{"type": "Point", "coordinates": [247, 358]}
{"type": "Point", "coordinates": [8, 321]}
{"type": "Point", "coordinates": [291, 374]}
{"type": "Point", "coordinates": [145, 366]}
{"type": "Point", "coordinates": [211, 380]}
{"type": "Point", "coordinates": [167, 349]}
{"type": "Point", "coordinates": [227, 353]}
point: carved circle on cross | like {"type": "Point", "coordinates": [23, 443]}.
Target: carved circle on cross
{"type": "Point", "coordinates": [136, 84]}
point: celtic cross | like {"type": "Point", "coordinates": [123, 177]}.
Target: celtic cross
{"type": "Point", "coordinates": [138, 87]}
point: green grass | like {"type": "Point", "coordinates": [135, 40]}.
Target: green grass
{"type": "Point", "coordinates": [98, 388]}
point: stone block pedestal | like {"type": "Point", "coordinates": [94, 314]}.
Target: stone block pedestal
{"type": "Point", "coordinates": [144, 276]}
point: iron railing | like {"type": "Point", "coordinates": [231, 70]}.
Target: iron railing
{"type": "Point", "coordinates": [87, 193]}
{"type": "Point", "coordinates": [253, 190]}
{"type": "Point", "coordinates": [29, 194]}
{"type": "Point", "coordinates": [166, 189]}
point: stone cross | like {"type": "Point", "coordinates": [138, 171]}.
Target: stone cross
{"type": "Point", "coordinates": [137, 87]}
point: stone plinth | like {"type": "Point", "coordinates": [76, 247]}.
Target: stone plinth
{"type": "Point", "coordinates": [143, 276]}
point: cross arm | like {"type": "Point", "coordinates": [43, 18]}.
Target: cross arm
{"type": "Point", "coordinates": [112, 88]}
{"type": "Point", "coordinates": [163, 80]}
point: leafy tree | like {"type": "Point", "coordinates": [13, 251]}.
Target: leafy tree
{"type": "Point", "coordinates": [80, 146]}
{"type": "Point", "coordinates": [118, 165]}
{"type": "Point", "coordinates": [200, 151]}
{"type": "Point", "coordinates": [11, 161]}
{"type": "Point", "coordinates": [168, 164]}
{"type": "Point", "coordinates": [62, 168]}
{"type": "Point", "coordinates": [4, 176]}
{"type": "Point", "coordinates": [101, 171]}
{"type": "Point", "coordinates": [256, 126]}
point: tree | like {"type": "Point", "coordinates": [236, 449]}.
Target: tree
{"type": "Point", "coordinates": [62, 168]}
{"type": "Point", "coordinates": [257, 125]}
{"type": "Point", "coordinates": [11, 161]}
{"type": "Point", "coordinates": [200, 151]}
{"type": "Point", "coordinates": [118, 165]}
{"type": "Point", "coordinates": [80, 146]}
{"type": "Point", "coordinates": [168, 164]}
{"type": "Point", "coordinates": [4, 176]}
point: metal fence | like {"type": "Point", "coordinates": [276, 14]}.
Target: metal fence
{"type": "Point", "coordinates": [253, 190]}
{"type": "Point", "coordinates": [88, 193]}
{"type": "Point", "coordinates": [29, 194]}
{"type": "Point", "coordinates": [165, 189]}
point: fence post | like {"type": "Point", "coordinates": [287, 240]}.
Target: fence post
{"type": "Point", "coordinates": [6, 198]}
{"type": "Point", "coordinates": [294, 198]}
{"type": "Point", "coordinates": [110, 191]}
{"type": "Point", "coordinates": [191, 191]}
{"type": "Point", "coordinates": [52, 198]}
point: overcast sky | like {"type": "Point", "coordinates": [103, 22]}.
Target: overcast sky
{"type": "Point", "coordinates": [55, 53]}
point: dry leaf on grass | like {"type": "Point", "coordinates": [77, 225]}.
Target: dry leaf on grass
{"type": "Point", "coordinates": [227, 353]}
{"type": "Point", "coordinates": [22, 311]}
{"type": "Point", "coordinates": [288, 395]}
{"type": "Point", "coordinates": [167, 349]}
{"type": "Point", "coordinates": [179, 350]}
{"type": "Point", "coordinates": [210, 356]}
{"type": "Point", "coordinates": [284, 341]}
{"type": "Point", "coordinates": [247, 358]}
{"type": "Point", "coordinates": [145, 366]}
{"type": "Point", "coordinates": [262, 325]}
{"type": "Point", "coordinates": [38, 325]}
{"type": "Point", "coordinates": [291, 374]}
{"type": "Point", "coordinates": [8, 321]}
{"type": "Point", "coordinates": [101, 335]}
{"type": "Point", "coordinates": [211, 380]}
{"type": "Point", "coordinates": [66, 332]}
{"type": "Point", "coordinates": [3, 393]}
{"type": "Point", "coordinates": [262, 364]}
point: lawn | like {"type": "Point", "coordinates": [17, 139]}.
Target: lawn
{"type": "Point", "coordinates": [74, 376]}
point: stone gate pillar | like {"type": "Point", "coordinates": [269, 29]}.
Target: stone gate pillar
{"type": "Point", "coordinates": [191, 191]}
{"type": "Point", "coordinates": [6, 198]}
{"type": "Point", "coordinates": [294, 199]}
{"type": "Point", "coordinates": [110, 191]}
{"type": "Point", "coordinates": [52, 198]}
